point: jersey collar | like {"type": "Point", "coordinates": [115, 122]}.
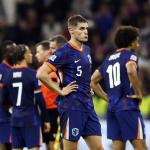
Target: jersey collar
{"type": "Point", "coordinates": [75, 47]}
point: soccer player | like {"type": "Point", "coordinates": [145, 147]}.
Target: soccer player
{"type": "Point", "coordinates": [77, 115]}
{"type": "Point", "coordinates": [119, 72]}
{"type": "Point", "coordinates": [23, 87]}
{"type": "Point", "coordinates": [43, 51]}
{"type": "Point", "coordinates": [5, 67]}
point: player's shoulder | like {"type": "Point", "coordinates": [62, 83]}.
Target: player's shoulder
{"type": "Point", "coordinates": [32, 71]}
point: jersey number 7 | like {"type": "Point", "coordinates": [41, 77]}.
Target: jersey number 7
{"type": "Point", "coordinates": [19, 86]}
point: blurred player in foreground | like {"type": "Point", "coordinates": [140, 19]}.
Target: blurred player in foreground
{"type": "Point", "coordinates": [77, 115]}
{"type": "Point", "coordinates": [23, 87]}
{"type": "Point", "coordinates": [43, 51]}
{"type": "Point", "coordinates": [5, 67]}
{"type": "Point", "coordinates": [119, 72]}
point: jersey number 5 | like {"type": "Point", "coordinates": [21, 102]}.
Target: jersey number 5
{"type": "Point", "coordinates": [114, 75]}
{"type": "Point", "coordinates": [79, 71]}
{"type": "Point", "coordinates": [19, 86]}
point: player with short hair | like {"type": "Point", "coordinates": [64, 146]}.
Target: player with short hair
{"type": "Point", "coordinates": [23, 88]}
{"type": "Point", "coordinates": [5, 67]}
{"type": "Point", "coordinates": [119, 72]}
{"type": "Point", "coordinates": [43, 51]}
{"type": "Point", "coordinates": [77, 115]}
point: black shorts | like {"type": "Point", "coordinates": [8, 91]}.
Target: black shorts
{"type": "Point", "coordinates": [50, 136]}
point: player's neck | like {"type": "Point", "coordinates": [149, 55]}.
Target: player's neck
{"type": "Point", "coordinates": [77, 44]}
{"type": "Point", "coordinates": [22, 63]}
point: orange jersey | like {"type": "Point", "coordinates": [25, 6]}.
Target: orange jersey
{"type": "Point", "coordinates": [48, 94]}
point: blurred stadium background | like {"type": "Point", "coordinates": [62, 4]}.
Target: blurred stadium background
{"type": "Point", "coordinates": [30, 21]}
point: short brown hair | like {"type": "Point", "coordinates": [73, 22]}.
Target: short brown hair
{"type": "Point", "coordinates": [44, 44]}
{"type": "Point", "coordinates": [125, 35]}
{"type": "Point", "coordinates": [59, 39]}
{"type": "Point", "coordinates": [75, 19]}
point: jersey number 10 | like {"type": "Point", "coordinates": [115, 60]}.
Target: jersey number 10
{"type": "Point", "coordinates": [114, 75]}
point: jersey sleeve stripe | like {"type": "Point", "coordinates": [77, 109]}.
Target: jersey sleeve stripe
{"type": "Point", "coordinates": [51, 66]}
{"type": "Point", "coordinates": [132, 61]}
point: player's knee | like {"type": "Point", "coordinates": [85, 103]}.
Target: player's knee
{"type": "Point", "coordinates": [140, 147]}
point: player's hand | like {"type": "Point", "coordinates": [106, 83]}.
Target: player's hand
{"type": "Point", "coordinates": [69, 88]}
{"type": "Point", "coordinates": [47, 127]}
{"type": "Point", "coordinates": [92, 92]}
{"type": "Point", "coordinates": [135, 97]}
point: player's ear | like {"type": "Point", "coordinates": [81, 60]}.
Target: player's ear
{"type": "Point", "coordinates": [70, 29]}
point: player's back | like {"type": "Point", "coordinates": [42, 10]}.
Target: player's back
{"type": "Point", "coordinates": [21, 84]}
{"type": "Point", "coordinates": [4, 114]}
{"type": "Point", "coordinates": [116, 81]}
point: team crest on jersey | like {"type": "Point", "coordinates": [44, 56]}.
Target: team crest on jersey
{"type": "Point", "coordinates": [52, 58]}
{"type": "Point", "coordinates": [133, 57]}
{"type": "Point", "coordinates": [0, 76]}
{"type": "Point", "coordinates": [75, 131]}
{"type": "Point", "coordinates": [89, 57]}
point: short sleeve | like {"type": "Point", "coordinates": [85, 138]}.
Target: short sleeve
{"type": "Point", "coordinates": [57, 60]}
{"type": "Point", "coordinates": [132, 58]}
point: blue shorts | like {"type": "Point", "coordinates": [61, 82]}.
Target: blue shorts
{"type": "Point", "coordinates": [5, 135]}
{"type": "Point", "coordinates": [29, 137]}
{"type": "Point", "coordinates": [125, 125]}
{"type": "Point", "coordinates": [76, 123]}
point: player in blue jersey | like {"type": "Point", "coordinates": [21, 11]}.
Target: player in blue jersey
{"type": "Point", "coordinates": [5, 67]}
{"type": "Point", "coordinates": [23, 87]}
{"type": "Point", "coordinates": [77, 115]}
{"type": "Point", "coordinates": [121, 89]}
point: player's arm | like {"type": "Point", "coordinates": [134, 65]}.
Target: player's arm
{"type": "Point", "coordinates": [43, 76]}
{"type": "Point", "coordinates": [41, 103]}
{"type": "Point", "coordinates": [95, 79]}
{"type": "Point", "coordinates": [133, 77]}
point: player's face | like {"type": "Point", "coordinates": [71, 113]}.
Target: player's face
{"type": "Point", "coordinates": [28, 56]}
{"type": "Point", "coordinates": [41, 54]}
{"type": "Point", "coordinates": [136, 44]}
{"type": "Point", "coordinates": [80, 32]}
{"type": "Point", "coordinates": [53, 46]}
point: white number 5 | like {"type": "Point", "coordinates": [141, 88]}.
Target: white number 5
{"type": "Point", "coordinates": [19, 86]}
{"type": "Point", "coordinates": [79, 71]}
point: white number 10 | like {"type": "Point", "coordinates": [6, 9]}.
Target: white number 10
{"type": "Point", "coordinates": [114, 74]}
{"type": "Point", "coordinates": [19, 86]}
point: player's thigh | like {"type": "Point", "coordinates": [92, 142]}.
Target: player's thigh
{"type": "Point", "coordinates": [139, 144]}
{"type": "Point", "coordinates": [32, 136]}
{"type": "Point", "coordinates": [132, 125]}
{"type": "Point", "coordinates": [72, 123]}
{"type": "Point", "coordinates": [17, 149]}
{"type": "Point", "coordinates": [94, 142]}
{"type": "Point", "coordinates": [118, 145]}
{"type": "Point", "coordinates": [69, 145]}
{"type": "Point", "coordinates": [113, 127]}
{"type": "Point", "coordinates": [35, 148]}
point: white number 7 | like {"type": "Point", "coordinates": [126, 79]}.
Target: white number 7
{"type": "Point", "coordinates": [19, 86]}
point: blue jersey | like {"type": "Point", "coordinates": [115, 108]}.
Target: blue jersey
{"type": "Point", "coordinates": [75, 65]}
{"type": "Point", "coordinates": [116, 81]}
{"type": "Point", "coordinates": [4, 70]}
{"type": "Point", "coordinates": [23, 88]}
